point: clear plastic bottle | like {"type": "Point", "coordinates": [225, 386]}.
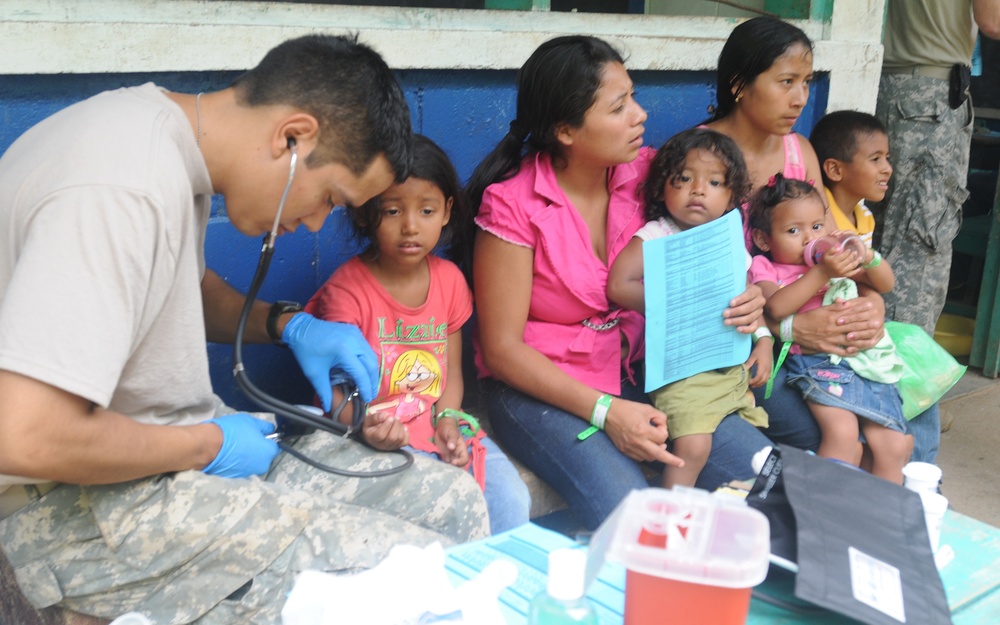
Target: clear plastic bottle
{"type": "Point", "coordinates": [815, 249]}
{"type": "Point", "coordinates": [563, 602]}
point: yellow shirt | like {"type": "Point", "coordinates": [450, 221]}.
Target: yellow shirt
{"type": "Point", "coordinates": [864, 217]}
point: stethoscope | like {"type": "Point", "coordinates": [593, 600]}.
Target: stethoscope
{"type": "Point", "coordinates": [295, 420]}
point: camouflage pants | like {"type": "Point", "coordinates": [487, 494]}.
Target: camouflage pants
{"type": "Point", "coordinates": [929, 147]}
{"type": "Point", "coordinates": [196, 548]}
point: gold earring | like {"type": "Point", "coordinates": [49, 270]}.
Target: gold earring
{"type": "Point", "coordinates": [739, 96]}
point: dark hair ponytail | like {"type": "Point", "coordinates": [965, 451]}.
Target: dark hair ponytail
{"type": "Point", "coordinates": [501, 163]}
{"type": "Point", "coordinates": [556, 85]}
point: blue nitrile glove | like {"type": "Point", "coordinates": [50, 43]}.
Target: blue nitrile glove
{"type": "Point", "coordinates": [322, 346]}
{"type": "Point", "coordinates": [244, 449]}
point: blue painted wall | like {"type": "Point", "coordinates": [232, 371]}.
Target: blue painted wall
{"type": "Point", "coordinates": [466, 112]}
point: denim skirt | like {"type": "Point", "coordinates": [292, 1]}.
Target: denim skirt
{"type": "Point", "coordinates": [837, 385]}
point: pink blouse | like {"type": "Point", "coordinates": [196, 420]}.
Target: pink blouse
{"type": "Point", "coordinates": [569, 316]}
{"type": "Point", "coordinates": [795, 166]}
{"type": "Point", "coordinates": [795, 169]}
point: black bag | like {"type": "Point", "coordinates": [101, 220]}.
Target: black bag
{"type": "Point", "coordinates": [958, 85]}
{"type": "Point", "coordinates": [859, 542]}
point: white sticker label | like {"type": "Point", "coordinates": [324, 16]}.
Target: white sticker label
{"type": "Point", "coordinates": [876, 584]}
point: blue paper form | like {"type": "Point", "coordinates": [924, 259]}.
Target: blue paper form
{"type": "Point", "coordinates": [690, 278]}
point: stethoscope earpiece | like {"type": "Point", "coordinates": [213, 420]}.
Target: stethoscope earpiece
{"type": "Point", "coordinates": [290, 414]}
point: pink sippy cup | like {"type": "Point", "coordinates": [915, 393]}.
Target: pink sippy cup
{"type": "Point", "coordinates": [844, 241]}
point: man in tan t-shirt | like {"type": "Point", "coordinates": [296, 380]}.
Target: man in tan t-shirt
{"type": "Point", "coordinates": [125, 485]}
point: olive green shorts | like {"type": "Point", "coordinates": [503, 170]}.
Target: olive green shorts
{"type": "Point", "coordinates": [698, 404]}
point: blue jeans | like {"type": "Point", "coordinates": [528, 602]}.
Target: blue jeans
{"type": "Point", "coordinates": [507, 498]}
{"type": "Point", "coordinates": [790, 422]}
{"type": "Point", "coordinates": [592, 475]}
{"type": "Point", "coordinates": [926, 430]}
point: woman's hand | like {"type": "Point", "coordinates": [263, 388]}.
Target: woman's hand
{"type": "Point", "coordinates": [745, 310]}
{"type": "Point", "coordinates": [639, 431]}
{"type": "Point", "coordinates": [845, 327]}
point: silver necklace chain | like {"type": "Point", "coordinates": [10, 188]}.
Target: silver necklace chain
{"type": "Point", "coordinates": [600, 327]}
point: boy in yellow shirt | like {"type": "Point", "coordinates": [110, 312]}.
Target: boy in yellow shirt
{"type": "Point", "coordinates": [853, 152]}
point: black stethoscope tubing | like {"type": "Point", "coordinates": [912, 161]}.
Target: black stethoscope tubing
{"type": "Point", "coordinates": [291, 412]}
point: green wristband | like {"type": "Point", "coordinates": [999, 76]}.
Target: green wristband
{"type": "Point", "coordinates": [598, 417]}
{"type": "Point", "coordinates": [785, 329]}
{"type": "Point", "coordinates": [457, 415]}
{"type": "Point", "coordinates": [761, 332]}
{"type": "Point", "coordinates": [875, 261]}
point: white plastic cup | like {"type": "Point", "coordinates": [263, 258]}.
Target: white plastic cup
{"type": "Point", "coordinates": [759, 458]}
{"type": "Point", "coordinates": [935, 505]}
{"type": "Point", "coordinates": [922, 477]}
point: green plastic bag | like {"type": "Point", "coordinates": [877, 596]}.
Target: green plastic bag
{"type": "Point", "coordinates": [928, 369]}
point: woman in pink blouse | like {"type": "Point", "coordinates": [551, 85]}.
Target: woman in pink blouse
{"type": "Point", "coordinates": [557, 200]}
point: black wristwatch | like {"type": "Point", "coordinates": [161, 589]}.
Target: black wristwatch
{"type": "Point", "coordinates": [277, 309]}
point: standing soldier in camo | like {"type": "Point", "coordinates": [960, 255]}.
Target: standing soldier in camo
{"type": "Point", "coordinates": [923, 103]}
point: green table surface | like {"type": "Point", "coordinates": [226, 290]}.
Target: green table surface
{"type": "Point", "coordinates": [971, 580]}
